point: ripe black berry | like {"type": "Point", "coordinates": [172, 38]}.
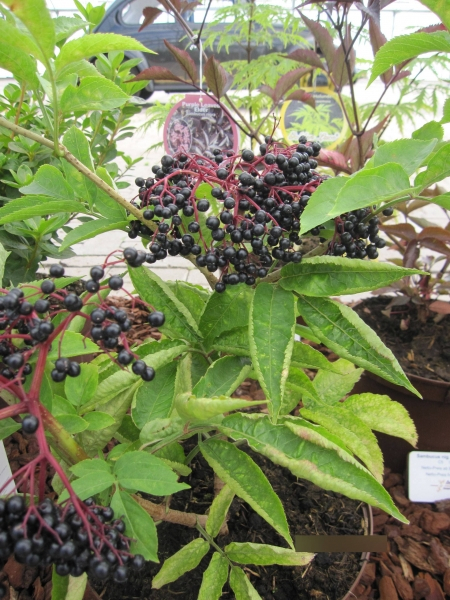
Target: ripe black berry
{"type": "Point", "coordinates": [203, 205]}
{"type": "Point", "coordinates": [74, 369]}
{"type": "Point", "coordinates": [92, 286]}
{"type": "Point", "coordinates": [41, 306]}
{"type": "Point", "coordinates": [97, 273]}
{"type": "Point", "coordinates": [56, 271]}
{"type": "Point", "coordinates": [148, 374]}
{"type": "Point", "coordinates": [156, 319]}
{"type": "Point", "coordinates": [47, 286]}
{"type": "Point", "coordinates": [115, 282]}
{"type": "Point", "coordinates": [30, 423]}
{"type": "Point", "coordinates": [73, 302]}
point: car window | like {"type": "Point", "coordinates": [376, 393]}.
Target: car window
{"type": "Point", "coordinates": [199, 12]}
{"type": "Point", "coordinates": [132, 12]}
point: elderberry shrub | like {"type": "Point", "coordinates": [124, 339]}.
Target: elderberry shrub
{"type": "Point", "coordinates": [48, 533]}
{"type": "Point", "coordinates": [260, 199]}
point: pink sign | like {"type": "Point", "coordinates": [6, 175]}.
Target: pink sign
{"type": "Point", "coordinates": [197, 123]}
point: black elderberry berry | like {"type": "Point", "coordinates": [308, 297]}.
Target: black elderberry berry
{"type": "Point", "coordinates": [120, 574]}
{"type": "Point", "coordinates": [15, 505]}
{"type": "Point", "coordinates": [203, 205]}
{"type": "Point", "coordinates": [30, 423]}
{"type": "Point", "coordinates": [74, 369]}
{"type": "Point", "coordinates": [97, 333]}
{"type": "Point", "coordinates": [119, 525]}
{"type": "Point", "coordinates": [156, 319]}
{"type": "Point", "coordinates": [212, 223]}
{"type": "Point", "coordinates": [14, 361]}
{"type": "Point", "coordinates": [47, 286]}
{"type": "Point", "coordinates": [56, 271]}
{"type": "Point", "coordinates": [115, 282]}
{"type": "Point", "coordinates": [92, 286]}
{"type": "Point", "coordinates": [62, 569]}
{"type": "Point", "coordinates": [57, 376]}
{"type": "Point", "coordinates": [229, 203]}
{"type": "Point", "coordinates": [220, 287]}
{"type": "Point", "coordinates": [233, 279]}
{"type": "Point", "coordinates": [138, 367]}
{"type": "Point", "coordinates": [73, 302]}
{"type": "Point", "coordinates": [148, 374]}
{"type": "Point", "coordinates": [41, 306]}
{"type": "Point", "coordinates": [22, 549]}
{"type": "Point", "coordinates": [139, 181]}
{"type": "Point", "coordinates": [26, 308]}
{"type": "Point", "coordinates": [388, 212]}
{"type": "Point", "coordinates": [248, 156]}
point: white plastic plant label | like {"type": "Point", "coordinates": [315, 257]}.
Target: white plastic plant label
{"type": "Point", "coordinates": [5, 472]}
{"type": "Point", "coordinates": [429, 476]}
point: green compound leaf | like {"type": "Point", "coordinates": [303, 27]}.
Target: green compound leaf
{"type": "Point", "coordinates": [381, 413]}
{"type": "Point", "coordinates": [225, 312]}
{"type": "Point", "coordinates": [184, 560]}
{"type": "Point", "coordinates": [79, 390]}
{"type": "Point", "coordinates": [332, 387]}
{"type": "Point", "coordinates": [91, 484]}
{"type": "Point", "coordinates": [437, 169]}
{"type": "Point", "coordinates": [98, 420]}
{"type": "Point", "coordinates": [321, 203]}
{"type": "Point", "coordinates": [192, 296]}
{"type": "Point", "coordinates": [246, 480]}
{"type": "Point", "coordinates": [37, 206]}
{"type": "Point", "coordinates": [146, 473]}
{"type": "Point", "coordinates": [271, 333]}
{"type": "Point", "coordinates": [323, 276]}
{"type": "Point", "coordinates": [93, 93]}
{"type": "Point", "coordinates": [343, 331]}
{"type": "Point", "coordinates": [90, 229]}
{"type": "Point", "coordinates": [371, 186]}
{"type": "Point", "coordinates": [154, 399]}
{"type": "Point", "coordinates": [223, 377]}
{"type": "Point", "coordinates": [49, 181]}
{"type": "Point", "coordinates": [203, 409]}
{"type": "Point", "coordinates": [297, 448]}
{"type": "Point", "coordinates": [152, 289]}
{"type": "Point", "coordinates": [409, 154]}
{"type": "Point", "coordinates": [354, 433]}
{"type": "Point", "coordinates": [93, 44]}
{"type": "Point", "coordinates": [241, 585]}
{"type": "Point", "coordinates": [247, 553]}
{"type": "Point", "coordinates": [214, 578]}
{"type": "Point", "coordinates": [72, 423]}
{"type": "Point", "coordinates": [235, 341]}
{"type": "Point", "coordinates": [305, 356]}
{"type": "Point", "coordinates": [140, 526]}
{"type": "Point", "coordinates": [429, 131]}
{"type": "Point", "coordinates": [36, 17]}
{"type": "Point", "coordinates": [405, 47]}
{"type": "Point", "coordinates": [218, 511]}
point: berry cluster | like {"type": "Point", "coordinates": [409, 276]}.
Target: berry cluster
{"type": "Point", "coordinates": [91, 542]}
{"type": "Point", "coordinates": [260, 202]}
{"type": "Point", "coordinates": [353, 233]}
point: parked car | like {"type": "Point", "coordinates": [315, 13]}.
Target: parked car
{"type": "Point", "coordinates": [126, 16]}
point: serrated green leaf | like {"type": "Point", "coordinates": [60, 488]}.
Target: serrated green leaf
{"type": "Point", "coordinates": [322, 465]}
{"type": "Point", "coordinates": [98, 420]}
{"type": "Point", "coordinates": [13, 36]}
{"type": "Point", "coordinates": [234, 342]}
{"type": "Point", "coordinates": [271, 334]}
{"type": "Point", "coordinates": [429, 131]}
{"type": "Point", "coordinates": [93, 93]}
{"type": "Point", "coordinates": [332, 387]}
{"type": "Point", "coordinates": [49, 181]}
{"type": "Point", "coordinates": [192, 296]}
{"type": "Point", "coordinates": [437, 169]}
{"type": "Point", "coordinates": [7, 427]}
{"type": "Point", "coordinates": [93, 44]}
{"type": "Point", "coordinates": [300, 382]}
{"type": "Point", "coordinates": [405, 47]}
{"type": "Point", "coordinates": [381, 413]}
{"type": "Point", "coordinates": [67, 26]}
{"type": "Point", "coordinates": [72, 423]}
{"type": "Point", "coordinates": [90, 465]}
{"type": "Point", "coordinates": [160, 429]}
{"type": "Point", "coordinates": [223, 377]}
{"type": "Point", "coordinates": [173, 452]}
{"type": "Point", "coordinates": [190, 407]}
{"type": "Point", "coordinates": [140, 527]}
{"type": "Point", "coordinates": [37, 206]}
{"type": "Point", "coordinates": [218, 511]}
{"type": "Point", "coordinates": [214, 578]}
{"type": "Point", "coordinates": [184, 560]}
{"type": "Point", "coordinates": [179, 322]}
{"type": "Point", "coordinates": [371, 186]}
{"type": "Point", "coordinates": [355, 434]}
{"type": "Point", "coordinates": [146, 473]}
{"type": "Point", "coordinates": [81, 389]}
{"type": "Point", "coordinates": [154, 399]}
{"type": "Point", "coordinates": [247, 481]}
{"type": "Point", "coordinates": [90, 229]}
{"type": "Point", "coordinates": [248, 553]}
{"type": "Point", "coordinates": [35, 15]}
{"type": "Point", "coordinates": [343, 331]}
{"type": "Point", "coordinates": [61, 406]}
{"type": "Point", "coordinates": [305, 356]}
{"type": "Point", "coordinates": [19, 63]}
{"type": "Point", "coordinates": [241, 586]}
{"type": "Point", "coordinates": [105, 205]}
{"type": "Point", "coordinates": [77, 143]}
{"type": "Point", "coordinates": [225, 312]}
{"type": "Point", "coordinates": [320, 203]}
{"type": "Point", "coordinates": [73, 344]}
{"type": "Point", "coordinates": [91, 483]}
{"type": "Point", "coordinates": [407, 153]}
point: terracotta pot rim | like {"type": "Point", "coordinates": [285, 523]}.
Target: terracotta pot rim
{"type": "Point", "coordinates": [428, 381]}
